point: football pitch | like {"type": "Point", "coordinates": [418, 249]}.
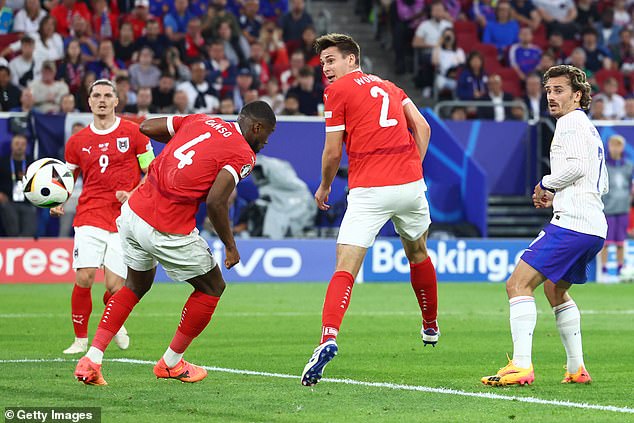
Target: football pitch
{"type": "Point", "coordinates": [262, 335]}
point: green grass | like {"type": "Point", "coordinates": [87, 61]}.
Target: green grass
{"type": "Point", "coordinates": [274, 328]}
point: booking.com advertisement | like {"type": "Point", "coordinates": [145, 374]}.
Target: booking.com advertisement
{"type": "Point", "coordinates": [312, 260]}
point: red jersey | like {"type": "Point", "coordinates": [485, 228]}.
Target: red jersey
{"type": "Point", "coordinates": [381, 150]}
{"type": "Point", "coordinates": [180, 178]}
{"type": "Point", "coordinates": [64, 16]}
{"type": "Point", "coordinates": [108, 162]}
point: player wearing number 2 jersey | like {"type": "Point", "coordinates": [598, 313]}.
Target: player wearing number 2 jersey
{"type": "Point", "coordinates": [110, 153]}
{"type": "Point", "coordinates": [203, 161]}
{"type": "Point", "coordinates": [559, 256]}
{"type": "Point", "coordinates": [373, 118]}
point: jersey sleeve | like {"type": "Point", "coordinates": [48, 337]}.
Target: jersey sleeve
{"type": "Point", "coordinates": [241, 166]}
{"type": "Point", "coordinates": [334, 109]}
{"type": "Point", "coordinates": [70, 154]}
{"type": "Point", "coordinates": [174, 123]}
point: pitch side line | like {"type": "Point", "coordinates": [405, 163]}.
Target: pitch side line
{"type": "Point", "coordinates": [316, 313]}
{"type": "Point", "coordinates": [393, 386]}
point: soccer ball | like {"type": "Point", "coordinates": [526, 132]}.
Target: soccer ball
{"type": "Point", "coordinates": [48, 183]}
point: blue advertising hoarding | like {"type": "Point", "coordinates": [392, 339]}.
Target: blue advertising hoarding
{"type": "Point", "coordinates": [313, 260]}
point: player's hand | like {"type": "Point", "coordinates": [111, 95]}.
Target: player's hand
{"type": "Point", "coordinates": [57, 211]}
{"type": "Point", "coordinates": [122, 196]}
{"type": "Point", "coordinates": [542, 198]}
{"type": "Point", "coordinates": [232, 257]}
{"type": "Point", "coordinates": [321, 196]}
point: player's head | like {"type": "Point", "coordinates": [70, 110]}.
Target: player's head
{"type": "Point", "coordinates": [102, 97]}
{"type": "Point", "coordinates": [257, 122]}
{"type": "Point", "coordinates": [616, 146]}
{"type": "Point", "coordinates": [338, 53]}
{"type": "Point", "coordinates": [567, 89]}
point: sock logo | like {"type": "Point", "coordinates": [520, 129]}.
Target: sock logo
{"type": "Point", "coordinates": [78, 318]}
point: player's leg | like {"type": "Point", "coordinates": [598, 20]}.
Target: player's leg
{"type": "Point", "coordinates": [361, 223]}
{"type": "Point", "coordinates": [195, 317]}
{"type": "Point", "coordinates": [115, 275]}
{"type": "Point", "coordinates": [523, 318]}
{"type": "Point", "coordinates": [604, 264]}
{"type": "Point", "coordinates": [89, 249]}
{"type": "Point", "coordinates": [81, 307]}
{"type": "Point", "coordinates": [117, 310]}
{"type": "Point", "coordinates": [411, 222]}
{"type": "Point", "coordinates": [568, 320]}
{"type": "Point", "coordinates": [187, 258]}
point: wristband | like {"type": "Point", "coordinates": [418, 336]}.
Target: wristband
{"type": "Point", "coordinates": [541, 185]}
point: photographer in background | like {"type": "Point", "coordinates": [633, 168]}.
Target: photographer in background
{"type": "Point", "coordinates": [19, 217]}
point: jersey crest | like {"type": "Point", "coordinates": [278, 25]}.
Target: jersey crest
{"type": "Point", "coordinates": [123, 144]}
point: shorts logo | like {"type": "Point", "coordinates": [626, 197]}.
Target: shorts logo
{"type": "Point", "coordinates": [246, 169]}
{"type": "Point", "coordinates": [123, 144]}
{"type": "Point", "coordinates": [76, 252]}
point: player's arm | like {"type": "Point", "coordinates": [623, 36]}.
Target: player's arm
{"type": "Point", "coordinates": [159, 129]}
{"type": "Point", "coordinates": [576, 154]}
{"type": "Point", "coordinates": [330, 159]}
{"type": "Point", "coordinates": [218, 213]}
{"type": "Point", "coordinates": [419, 127]}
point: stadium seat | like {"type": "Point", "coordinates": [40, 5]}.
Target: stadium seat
{"type": "Point", "coordinates": [466, 34]}
{"type": "Point", "coordinates": [510, 82]}
{"type": "Point", "coordinates": [539, 37]}
{"type": "Point", "coordinates": [604, 74]}
{"type": "Point", "coordinates": [6, 39]}
{"type": "Point", "coordinates": [569, 46]}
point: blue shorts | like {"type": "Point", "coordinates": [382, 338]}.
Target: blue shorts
{"type": "Point", "coordinates": [562, 254]}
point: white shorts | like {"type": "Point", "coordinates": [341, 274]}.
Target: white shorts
{"type": "Point", "coordinates": [96, 247]}
{"type": "Point", "coordinates": [183, 256]}
{"type": "Point", "coordinates": [369, 209]}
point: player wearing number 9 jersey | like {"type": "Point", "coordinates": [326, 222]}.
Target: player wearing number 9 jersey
{"type": "Point", "coordinates": [373, 118]}
{"type": "Point", "coordinates": [203, 161]}
{"type": "Point", "coordinates": [111, 153]}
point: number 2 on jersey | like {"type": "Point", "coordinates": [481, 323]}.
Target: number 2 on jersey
{"type": "Point", "coordinates": [185, 158]}
{"type": "Point", "coordinates": [385, 106]}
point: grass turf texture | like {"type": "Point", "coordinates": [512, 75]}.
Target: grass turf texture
{"type": "Point", "coordinates": [274, 328]}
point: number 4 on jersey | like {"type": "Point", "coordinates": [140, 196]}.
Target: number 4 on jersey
{"type": "Point", "coordinates": [185, 158]}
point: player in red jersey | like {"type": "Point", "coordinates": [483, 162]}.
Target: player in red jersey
{"type": "Point", "coordinates": [204, 160]}
{"type": "Point", "coordinates": [373, 118]}
{"type": "Point", "coordinates": [111, 154]}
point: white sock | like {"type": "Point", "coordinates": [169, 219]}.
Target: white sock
{"type": "Point", "coordinates": [171, 358]}
{"type": "Point", "coordinates": [523, 320]}
{"type": "Point", "coordinates": [96, 355]}
{"type": "Point", "coordinates": [569, 325]}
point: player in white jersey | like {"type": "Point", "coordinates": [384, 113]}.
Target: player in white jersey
{"type": "Point", "coordinates": [560, 253]}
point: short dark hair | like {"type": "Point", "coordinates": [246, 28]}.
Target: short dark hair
{"type": "Point", "coordinates": [577, 79]}
{"type": "Point", "coordinates": [258, 111]}
{"type": "Point", "coordinates": [344, 43]}
{"type": "Point", "coordinates": [103, 82]}
{"type": "Point", "coordinates": [306, 71]}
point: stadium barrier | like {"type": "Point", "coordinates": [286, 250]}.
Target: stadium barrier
{"type": "Point", "coordinates": [49, 260]}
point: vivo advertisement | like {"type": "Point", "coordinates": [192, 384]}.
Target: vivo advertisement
{"type": "Point", "coordinates": [468, 260]}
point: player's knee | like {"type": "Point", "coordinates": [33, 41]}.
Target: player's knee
{"type": "Point", "coordinates": [85, 278]}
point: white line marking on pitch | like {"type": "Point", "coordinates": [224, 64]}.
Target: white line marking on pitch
{"type": "Point", "coordinates": [394, 386]}
{"type": "Point", "coordinates": [316, 313]}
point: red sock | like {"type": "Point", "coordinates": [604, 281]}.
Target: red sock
{"type": "Point", "coordinates": [423, 277]}
{"type": "Point", "coordinates": [106, 297]}
{"type": "Point", "coordinates": [336, 304]}
{"type": "Point", "coordinates": [195, 317]}
{"type": "Point", "coordinates": [117, 311]}
{"type": "Point", "coordinates": [81, 307]}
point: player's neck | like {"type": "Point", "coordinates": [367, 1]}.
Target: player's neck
{"type": "Point", "coordinates": [104, 122]}
{"type": "Point", "coordinates": [16, 156]}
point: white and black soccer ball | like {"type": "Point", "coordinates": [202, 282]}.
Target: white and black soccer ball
{"type": "Point", "coordinates": [48, 183]}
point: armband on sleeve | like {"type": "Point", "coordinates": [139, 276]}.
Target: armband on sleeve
{"type": "Point", "coordinates": [145, 159]}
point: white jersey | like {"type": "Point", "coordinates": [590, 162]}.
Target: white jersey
{"type": "Point", "coordinates": [578, 175]}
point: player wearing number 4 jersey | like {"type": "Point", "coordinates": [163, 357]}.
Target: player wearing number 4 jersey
{"type": "Point", "coordinates": [373, 118]}
{"type": "Point", "coordinates": [558, 257]}
{"type": "Point", "coordinates": [110, 153]}
{"type": "Point", "coordinates": [204, 160]}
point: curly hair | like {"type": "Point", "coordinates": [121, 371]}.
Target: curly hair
{"type": "Point", "coordinates": [344, 43]}
{"type": "Point", "coordinates": [577, 79]}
